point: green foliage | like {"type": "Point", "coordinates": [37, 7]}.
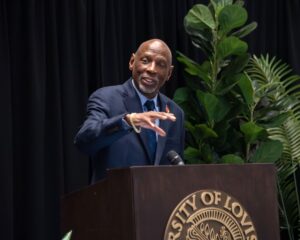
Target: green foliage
{"type": "Point", "coordinates": [67, 236]}
{"type": "Point", "coordinates": [218, 92]}
{"type": "Point", "coordinates": [267, 152]}
{"type": "Point", "coordinates": [282, 94]}
{"type": "Point", "coordinates": [240, 108]}
{"type": "Point", "coordinates": [231, 158]}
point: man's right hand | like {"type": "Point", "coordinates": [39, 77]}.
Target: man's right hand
{"type": "Point", "coordinates": [147, 120]}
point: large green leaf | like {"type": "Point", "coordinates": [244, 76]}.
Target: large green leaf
{"type": "Point", "coordinates": [231, 158]}
{"type": "Point", "coordinates": [230, 82]}
{"type": "Point", "coordinates": [189, 126]}
{"type": "Point", "coordinates": [198, 30]}
{"type": "Point", "coordinates": [216, 108]}
{"type": "Point", "coordinates": [208, 154]}
{"type": "Point", "coordinates": [268, 121]}
{"type": "Point", "coordinates": [190, 110]}
{"type": "Point", "coordinates": [200, 35]}
{"type": "Point", "coordinates": [193, 82]}
{"type": "Point", "coordinates": [246, 87]}
{"type": "Point", "coordinates": [205, 131]}
{"type": "Point", "coordinates": [192, 67]}
{"type": "Point", "coordinates": [199, 15]}
{"type": "Point", "coordinates": [237, 65]}
{"type": "Point", "coordinates": [220, 4]}
{"type": "Point", "coordinates": [239, 2]}
{"type": "Point", "coordinates": [182, 95]}
{"type": "Point", "coordinates": [268, 152]}
{"type": "Point", "coordinates": [224, 87]}
{"type": "Point", "coordinates": [222, 129]}
{"type": "Point", "coordinates": [204, 45]}
{"type": "Point", "coordinates": [192, 135]}
{"type": "Point", "coordinates": [251, 131]}
{"type": "Point", "coordinates": [232, 16]}
{"type": "Point", "coordinates": [210, 103]}
{"type": "Point", "coordinates": [200, 132]}
{"type": "Point", "coordinates": [223, 107]}
{"type": "Point", "coordinates": [231, 46]}
{"type": "Point", "coordinates": [244, 31]}
{"type": "Point", "coordinates": [192, 155]}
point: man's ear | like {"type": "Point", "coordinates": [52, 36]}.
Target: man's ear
{"type": "Point", "coordinates": [131, 61]}
{"type": "Point", "coordinates": [170, 72]}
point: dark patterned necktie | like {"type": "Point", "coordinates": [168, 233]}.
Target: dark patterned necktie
{"type": "Point", "coordinates": [151, 135]}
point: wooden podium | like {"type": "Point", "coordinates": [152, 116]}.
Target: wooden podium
{"type": "Point", "coordinates": [136, 203]}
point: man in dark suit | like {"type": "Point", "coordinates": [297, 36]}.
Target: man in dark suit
{"type": "Point", "coordinates": [134, 124]}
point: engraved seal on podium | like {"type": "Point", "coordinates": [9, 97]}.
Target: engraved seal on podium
{"type": "Point", "coordinates": [210, 215]}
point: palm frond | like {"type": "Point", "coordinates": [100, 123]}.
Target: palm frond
{"type": "Point", "coordinates": [274, 79]}
{"type": "Point", "coordinates": [287, 166]}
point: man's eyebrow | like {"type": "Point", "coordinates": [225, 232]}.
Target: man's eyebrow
{"type": "Point", "coordinates": [149, 54]}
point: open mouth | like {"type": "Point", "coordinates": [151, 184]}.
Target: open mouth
{"type": "Point", "coordinates": [149, 81]}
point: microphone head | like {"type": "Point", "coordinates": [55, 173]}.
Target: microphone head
{"type": "Point", "coordinates": [174, 158]}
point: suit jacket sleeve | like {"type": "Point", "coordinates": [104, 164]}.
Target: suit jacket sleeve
{"type": "Point", "coordinates": [101, 128]}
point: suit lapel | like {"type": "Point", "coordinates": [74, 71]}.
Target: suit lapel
{"type": "Point", "coordinates": [131, 99]}
{"type": "Point", "coordinates": [165, 125]}
{"type": "Point", "coordinates": [132, 104]}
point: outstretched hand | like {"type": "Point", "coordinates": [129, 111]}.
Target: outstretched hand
{"type": "Point", "coordinates": [147, 120]}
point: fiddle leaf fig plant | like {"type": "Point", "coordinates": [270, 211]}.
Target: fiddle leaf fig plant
{"type": "Point", "coordinates": [219, 93]}
{"type": "Point", "coordinates": [240, 109]}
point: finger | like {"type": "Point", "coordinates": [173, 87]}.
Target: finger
{"type": "Point", "coordinates": [146, 122]}
{"type": "Point", "coordinates": [162, 115]}
{"type": "Point", "coordinates": [151, 123]}
{"type": "Point", "coordinates": [159, 131]}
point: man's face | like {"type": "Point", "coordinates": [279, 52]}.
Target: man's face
{"type": "Point", "coordinates": [151, 67]}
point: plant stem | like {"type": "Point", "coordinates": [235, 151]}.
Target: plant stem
{"type": "Point", "coordinates": [215, 63]}
{"type": "Point", "coordinates": [251, 119]}
{"type": "Point", "coordinates": [247, 152]}
{"type": "Point", "coordinates": [289, 229]}
{"type": "Point", "coordinates": [297, 195]}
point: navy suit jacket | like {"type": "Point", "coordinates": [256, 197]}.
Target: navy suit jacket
{"type": "Point", "coordinates": [105, 137]}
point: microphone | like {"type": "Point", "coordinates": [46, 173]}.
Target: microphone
{"type": "Point", "coordinates": [174, 158]}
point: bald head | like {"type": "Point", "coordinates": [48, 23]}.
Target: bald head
{"type": "Point", "coordinates": [156, 43]}
{"type": "Point", "coordinates": [151, 66]}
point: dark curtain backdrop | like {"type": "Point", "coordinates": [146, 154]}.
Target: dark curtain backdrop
{"type": "Point", "coordinates": [53, 54]}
